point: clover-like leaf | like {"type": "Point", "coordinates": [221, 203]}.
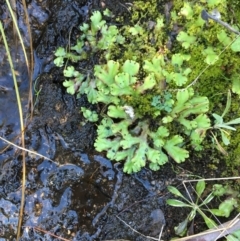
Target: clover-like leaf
{"type": "Point", "coordinates": [187, 10]}
{"type": "Point", "coordinates": [107, 72]}
{"type": "Point", "coordinates": [223, 38]}
{"type": "Point", "coordinates": [70, 72]}
{"type": "Point", "coordinates": [177, 59]}
{"type": "Point", "coordinates": [196, 105]}
{"type": "Point", "coordinates": [104, 144]}
{"type": "Point", "coordinates": [162, 131]}
{"type": "Point", "coordinates": [121, 86]}
{"type": "Point", "coordinates": [182, 96]}
{"type": "Point", "coordinates": [60, 52]}
{"type": "Point", "coordinates": [78, 47]}
{"type": "Point", "coordinates": [70, 85]}
{"type": "Point", "coordinates": [59, 61]}
{"type": "Point", "coordinates": [131, 67]}
{"type": "Point", "coordinates": [121, 128]}
{"type": "Point", "coordinates": [129, 141]}
{"type": "Point", "coordinates": [96, 21]}
{"type": "Point", "coordinates": [116, 112]}
{"type": "Point", "coordinates": [122, 155]}
{"type": "Point", "coordinates": [84, 27]}
{"type": "Point", "coordinates": [186, 39]}
{"type": "Point", "coordinates": [109, 37]}
{"type": "Point", "coordinates": [104, 129]}
{"type": "Point", "coordinates": [179, 79]}
{"type": "Point", "coordinates": [153, 155]}
{"type": "Point", "coordinates": [155, 66]}
{"type": "Point", "coordinates": [177, 153]}
{"type": "Point", "coordinates": [154, 166]}
{"type": "Point", "coordinates": [203, 121]}
{"type": "Point", "coordinates": [107, 99]}
{"type": "Point", "coordinates": [91, 116]}
{"type": "Point", "coordinates": [236, 45]}
{"type": "Point", "coordinates": [228, 206]}
{"type": "Point", "coordinates": [137, 29]}
{"type": "Point", "coordinates": [112, 151]}
{"type": "Point", "coordinates": [130, 167]}
{"type": "Point", "coordinates": [149, 83]}
{"type": "Point", "coordinates": [139, 157]}
{"type": "Point", "coordinates": [211, 56]}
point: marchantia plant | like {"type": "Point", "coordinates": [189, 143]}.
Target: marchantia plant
{"type": "Point", "coordinates": [150, 108]}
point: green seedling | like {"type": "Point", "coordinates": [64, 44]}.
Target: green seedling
{"type": "Point", "coordinates": [199, 206]}
{"type": "Point", "coordinates": [224, 127]}
{"type": "Point", "coordinates": [91, 116]}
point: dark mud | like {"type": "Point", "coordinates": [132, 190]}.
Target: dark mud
{"type": "Point", "coordinates": [73, 193]}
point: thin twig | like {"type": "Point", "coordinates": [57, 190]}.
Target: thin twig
{"type": "Point", "coordinates": [136, 230]}
{"type": "Point", "coordinates": [24, 149]}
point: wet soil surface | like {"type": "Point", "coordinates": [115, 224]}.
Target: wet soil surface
{"type": "Point", "coordinates": [73, 192]}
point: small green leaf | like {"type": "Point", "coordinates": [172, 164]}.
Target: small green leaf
{"type": "Point", "coordinates": [236, 84]}
{"type": "Point", "coordinates": [213, 3]}
{"type": "Point", "coordinates": [104, 129]}
{"type": "Point", "coordinates": [107, 73]}
{"type": "Point", "coordinates": [96, 21]}
{"type": "Point", "coordinates": [78, 47]}
{"type": "Point", "coordinates": [167, 119]}
{"type": "Point", "coordinates": [60, 52]}
{"type": "Point", "coordinates": [208, 221]}
{"type": "Point", "coordinates": [175, 191]}
{"type": "Point", "coordinates": [179, 79]}
{"type": "Point", "coordinates": [218, 118]}
{"type": "Point", "coordinates": [149, 83]}
{"type": "Point", "coordinates": [186, 39]}
{"type": "Point", "coordinates": [233, 122]}
{"type": "Point", "coordinates": [137, 29]}
{"type": "Point", "coordinates": [107, 13]}
{"type": "Point", "coordinates": [225, 138]}
{"type": "Point", "coordinates": [153, 155]}
{"type": "Point", "coordinates": [70, 85]}
{"type": "Point", "coordinates": [116, 112]}
{"type": "Point", "coordinates": [177, 203]}
{"type": "Point", "coordinates": [84, 27]}
{"type": "Point", "coordinates": [208, 199]}
{"type": "Point", "coordinates": [91, 116]}
{"type": "Point", "coordinates": [177, 59]}
{"type": "Point", "coordinates": [130, 167]}
{"type": "Point", "coordinates": [177, 153]}
{"type": "Point", "coordinates": [70, 72]}
{"type": "Point", "coordinates": [187, 10]}
{"type": "Point", "coordinates": [129, 141]}
{"type": "Point", "coordinates": [131, 67]}
{"type": "Point", "coordinates": [211, 56]}
{"type": "Point", "coordinates": [155, 66]}
{"type": "Point", "coordinates": [181, 229]}
{"type": "Point", "coordinates": [228, 206]}
{"type": "Point", "coordinates": [200, 187]}
{"type": "Point", "coordinates": [103, 145]}
{"type": "Point", "coordinates": [218, 190]}
{"type": "Point", "coordinates": [223, 38]}
{"type": "Point", "coordinates": [236, 45]}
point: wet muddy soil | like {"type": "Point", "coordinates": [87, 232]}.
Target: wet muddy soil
{"type": "Point", "coordinates": [74, 192]}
